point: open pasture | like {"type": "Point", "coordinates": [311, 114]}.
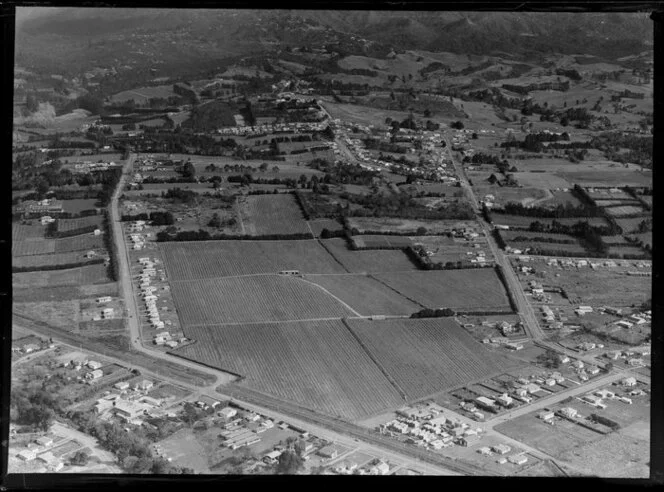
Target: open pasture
{"type": "Point", "coordinates": [314, 364]}
{"type": "Point", "coordinates": [477, 289]}
{"type": "Point", "coordinates": [622, 210]}
{"type": "Point", "coordinates": [537, 237]}
{"type": "Point", "coordinates": [72, 276]}
{"type": "Point", "coordinates": [369, 225]}
{"type": "Point", "coordinates": [365, 295]}
{"type": "Point", "coordinates": [367, 261]}
{"type": "Point", "coordinates": [607, 176]}
{"type": "Point", "coordinates": [382, 241]}
{"type": "Point", "coordinates": [629, 225]}
{"type": "Point", "coordinates": [426, 356]}
{"type": "Point", "coordinates": [209, 259]}
{"type": "Point", "coordinates": [251, 299]}
{"type": "Point", "coordinates": [77, 206]}
{"type": "Point", "coordinates": [506, 194]}
{"type": "Point", "coordinates": [545, 180]}
{"type": "Point", "coordinates": [274, 214]}
{"type": "Point", "coordinates": [142, 95]}
{"type": "Point", "coordinates": [38, 261]}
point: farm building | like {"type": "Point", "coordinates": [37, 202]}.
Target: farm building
{"type": "Point", "coordinates": [107, 312]}
{"type": "Point", "coordinates": [94, 365]}
{"type": "Point", "coordinates": [103, 300]}
{"type": "Point", "coordinates": [328, 452]}
{"type": "Point", "coordinates": [44, 441]}
{"type": "Point", "coordinates": [122, 385]}
{"type": "Point", "coordinates": [546, 416]}
{"type": "Point", "coordinates": [144, 385]}
{"type": "Point", "coordinates": [518, 459]}
{"type": "Point", "coordinates": [27, 454]}
{"type": "Point", "coordinates": [381, 468]}
{"type": "Point", "coordinates": [485, 402]}
{"type": "Point", "coordinates": [501, 449]}
{"type": "Point", "coordinates": [128, 410]}
{"type": "Point", "coordinates": [568, 412]}
{"type": "Point", "coordinates": [96, 374]}
{"type": "Point", "coordinates": [469, 440]}
{"type": "Point", "coordinates": [227, 412]}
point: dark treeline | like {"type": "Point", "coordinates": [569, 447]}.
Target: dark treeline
{"type": "Point", "coordinates": [559, 212]}
{"type": "Point", "coordinates": [433, 313]}
{"type": "Point", "coordinates": [157, 218]}
{"type": "Point", "coordinates": [577, 229]}
{"type": "Point", "coordinates": [201, 235]}
{"type": "Point", "coordinates": [403, 206]}
{"type": "Point", "coordinates": [59, 266]}
{"type": "Point", "coordinates": [52, 231]}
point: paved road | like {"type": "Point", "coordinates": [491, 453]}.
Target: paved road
{"type": "Point", "coordinates": [525, 309]}
{"type": "Point", "coordinates": [124, 281]}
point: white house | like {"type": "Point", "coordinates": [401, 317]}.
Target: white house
{"type": "Point", "coordinates": [103, 300]}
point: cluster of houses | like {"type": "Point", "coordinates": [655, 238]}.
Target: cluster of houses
{"type": "Point", "coordinates": [78, 363]}
{"type": "Point", "coordinates": [581, 263]}
{"type": "Point", "coordinates": [248, 131]}
{"type": "Point", "coordinates": [374, 467]}
{"type": "Point", "coordinates": [501, 450]}
{"type": "Point", "coordinates": [428, 427]}
{"type": "Point", "coordinates": [137, 240]}
{"type": "Point", "coordinates": [635, 319]}
{"type": "Point", "coordinates": [87, 166]}
{"type": "Point", "coordinates": [47, 205]}
{"type": "Point", "coordinates": [633, 357]}
{"type": "Point", "coordinates": [130, 404]}
{"type": "Point", "coordinates": [148, 292]}
{"type": "Point", "coordinates": [40, 450]}
{"type": "Point", "coordinates": [242, 428]}
{"type": "Point", "coordinates": [30, 345]}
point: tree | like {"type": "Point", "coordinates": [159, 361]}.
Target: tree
{"type": "Point", "coordinates": [275, 169]}
{"type": "Point", "coordinates": [215, 221]}
{"type": "Point", "coordinates": [263, 167]}
{"type": "Point", "coordinates": [549, 359]}
{"type": "Point", "coordinates": [289, 463]}
{"type": "Point", "coordinates": [32, 103]}
{"type": "Point", "coordinates": [80, 458]}
{"type": "Point", "coordinates": [188, 171]}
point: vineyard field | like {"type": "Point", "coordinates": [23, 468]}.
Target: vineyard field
{"type": "Point", "coordinates": [477, 289]}
{"type": "Point", "coordinates": [252, 299]}
{"type": "Point", "coordinates": [368, 261]}
{"type": "Point", "coordinates": [22, 232]}
{"type": "Point", "coordinates": [33, 246]}
{"type": "Point", "coordinates": [365, 295]}
{"type": "Point", "coordinates": [426, 356]}
{"type": "Point", "coordinates": [629, 225]}
{"type": "Point", "coordinates": [274, 214]}
{"type": "Point", "coordinates": [620, 211]}
{"type": "Point", "coordinates": [318, 365]}
{"type": "Point", "coordinates": [209, 259]}
{"type": "Point", "coordinates": [65, 225]}
{"type": "Point", "coordinates": [79, 243]}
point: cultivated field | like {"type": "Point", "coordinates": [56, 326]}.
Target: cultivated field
{"type": "Point", "coordinates": [505, 194]}
{"type": "Point", "coordinates": [142, 94]}
{"type": "Point", "coordinates": [365, 295]}
{"type": "Point", "coordinates": [79, 243]}
{"type": "Point", "coordinates": [209, 259]}
{"type": "Point", "coordinates": [274, 214]}
{"type": "Point", "coordinates": [367, 225]}
{"type": "Point", "coordinates": [22, 232]}
{"type": "Point", "coordinates": [623, 210]}
{"type": "Point", "coordinates": [629, 225]}
{"type": "Point", "coordinates": [252, 299]}
{"type": "Point", "coordinates": [510, 236]}
{"type": "Point", "coordinates": [37, 261]}
{"type": "Point", "coordinates": [608, 177]}
{"type": "Point", "coordinates": [368, 261]}
{"type": "Point", "coordinates": [522, 221]}
{"type": "Point", "coordinates": [380, 241]}
{"type": "Point", "coordinates": [318, 365]}
{"type": "Point", "coordinates": [549, 249]}
{"type": "Point", "coordinates": [476, 289]}
{"type": "Point", "coordinates": [65, 225]}
{"type": "Point", "coordinates": [545, 181]}
{"type": "Point", "coordinates": [77, 206]}
{"type": "Point", "coordinates": [428, 355]}
{"type": "Point", "coordinates": [318, 225]}
{"type": "Point", "coordinates": [33, 246]}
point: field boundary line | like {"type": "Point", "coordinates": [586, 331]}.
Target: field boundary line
{"type": "Point", "coordinates": [395, 290]}
{"type": "Point", "coordinates": [332, 255]}
{"type": "Point", "coordinates": [396, 386]}
{"type": "Point", "coordinates": [274, 321]}
{"type": "Point", "coordinates": [332, 295]}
